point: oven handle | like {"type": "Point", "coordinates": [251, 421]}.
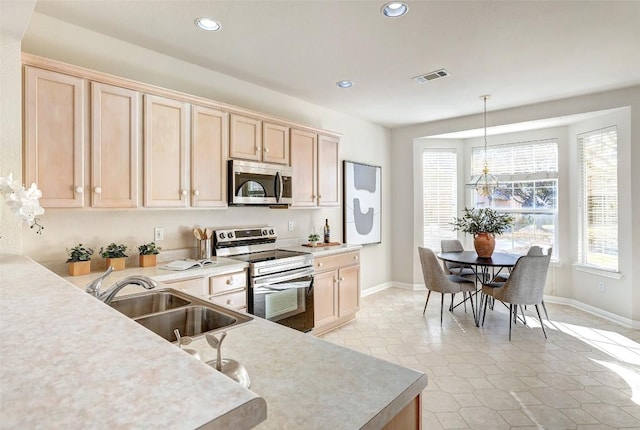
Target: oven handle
{"type": "Point", "coordinates": [279, 277]}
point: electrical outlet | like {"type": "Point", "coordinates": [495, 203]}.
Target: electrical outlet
{"type": "Point", "coordinates": [290, 225]}
{"type": "Point", "coordinates": [158, 234]}
{"type": "Point", "coordinates": [601, 287]}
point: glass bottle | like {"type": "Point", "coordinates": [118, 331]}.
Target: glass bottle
{"type": "Point", "coordinates": [327, 231]}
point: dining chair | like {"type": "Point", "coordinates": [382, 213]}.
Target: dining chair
{"type": "Point", "coordinates": [524, 286]}
{"type": "Point", "coordinates": [436, 280]}
{"type": "Point", "coordinates": [454, 245]}
{"type": "Point", "coordinates": [534, 250]}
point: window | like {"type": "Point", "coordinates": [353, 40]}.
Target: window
{"type": "Point", "coordinates": [528, 176]}
{"type": "Point", "coordinates": [439, 194]}
{"type": "Point", "coordinates": [598, 157]}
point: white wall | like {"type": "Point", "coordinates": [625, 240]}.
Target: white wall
{"type": "Point", "coordinates": [55, 39]}
{"type": "Point", "coordinates": [620, 298]}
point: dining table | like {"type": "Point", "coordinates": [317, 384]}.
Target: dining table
{"type": "Point", "coordinates": [485, 269]}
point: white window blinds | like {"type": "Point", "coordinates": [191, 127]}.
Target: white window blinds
{"type": "Point", "coordinates": [439, 191]}
{"type": "Point", "coordinates": [518, 161]}
{"type": "Point", "coordinates": [598, 155]}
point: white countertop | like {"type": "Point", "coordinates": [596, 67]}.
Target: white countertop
{"type": "Point", "coordinates": [322, 251]}
{"type": "Point", "coordinates": [72, 361]}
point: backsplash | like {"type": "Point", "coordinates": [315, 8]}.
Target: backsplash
{"type": "Point", "coordinates": [96, 228]}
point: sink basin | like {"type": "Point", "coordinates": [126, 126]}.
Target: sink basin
{"type": "Point", "coordinates": [164, 310]}
{"type": "Point", "coordinates": [148, 303]}
{"type": "Point", "coordinates": [190, 321]}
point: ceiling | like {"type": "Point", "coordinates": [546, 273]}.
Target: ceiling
{"type": "Point", "coordinates": [520, 52]}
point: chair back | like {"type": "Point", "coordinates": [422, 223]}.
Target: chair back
{"type": "Point", "coordinates": [525, 285]}
{"type": "Point", "coordinates": [434, 277]}
{"type": "Point", "coordinates": [453, 245]}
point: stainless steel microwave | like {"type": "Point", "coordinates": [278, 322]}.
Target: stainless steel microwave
{"type": "Point", "coordinates": [252, 183]}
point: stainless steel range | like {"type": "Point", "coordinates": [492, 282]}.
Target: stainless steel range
{"type": "Point", "coordinates": [280, 282]}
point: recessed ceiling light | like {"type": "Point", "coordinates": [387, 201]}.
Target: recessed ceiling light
{"type": "Point", "coordinates": [207, 24]}
{"type": "Point", "coordinates": [344, 84]}
{"type": "Point", "coordinates": [394, 9]}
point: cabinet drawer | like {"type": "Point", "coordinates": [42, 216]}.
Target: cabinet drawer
{"type": "Point", "coordinates": [237, 300]}
{"type": "Point", "coordinates": [195, 286]}
{"type": "Point", "coordinates": [231, 281]}
{"type": "Point", "coordinates": [332, 262]}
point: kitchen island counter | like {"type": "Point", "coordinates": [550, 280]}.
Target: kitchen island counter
{"type": "Point", "coordinates": [75, 362]}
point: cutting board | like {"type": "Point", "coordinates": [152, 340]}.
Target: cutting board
{"type": "Point", "coordinates": [320, 245]}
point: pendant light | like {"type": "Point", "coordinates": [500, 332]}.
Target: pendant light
{"type": "Point", "coordinates": [485, 184]}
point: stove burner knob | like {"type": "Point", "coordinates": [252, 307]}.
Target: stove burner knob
{"type": "Point", "coordinates": [271, 231]}
{"type": "Point", "coordinates": [264, 232]}
{"type": "Point", "coordinates": [230, 235]}
{"type": "Point", "coordinates": [222, 235]}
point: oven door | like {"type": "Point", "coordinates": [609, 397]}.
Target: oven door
{"type": "Point", "coordinates": [285, 298]}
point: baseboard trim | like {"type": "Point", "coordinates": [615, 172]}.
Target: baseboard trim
{"type": "Point", "coordinates": [376, 289]}
{"type": "Point", "coordinates": [626, 322]}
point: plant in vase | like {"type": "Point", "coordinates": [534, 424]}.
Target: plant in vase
{"type": "Point", "coordinates": [148, 253]}
{"type": "Point", "coordinates": [115, 255]}
{"type": "Point", "coordinates": [313, 239]}
{"type": "Point", "coordinates": [484, 224]}
{"type": "Point", "coordinates": [79, 260]}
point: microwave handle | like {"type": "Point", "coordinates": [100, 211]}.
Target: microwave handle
{"type": "Point", "coordinates": [279, 187]}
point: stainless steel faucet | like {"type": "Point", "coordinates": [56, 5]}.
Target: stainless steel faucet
{"type": "Point", "coordinates": [107, 296]}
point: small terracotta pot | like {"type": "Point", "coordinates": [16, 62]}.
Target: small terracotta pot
{"type": "Point", "coordinates": [484, 243]}
{"type": "Point", "coordinates": [148, 260]}
{"type": "Point", "coordinates": [117, 263]}
{"type": "Point", "coordinates": [78, 268]}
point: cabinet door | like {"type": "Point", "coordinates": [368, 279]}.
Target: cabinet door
{"type": "Point", "coordinates": [165, 152]}
{"type": "Point", "coordinates": [328, 171]}
{"type": "Point", "coordinates": [275, 143]}
{"type": "Point", "coordinates": [196, 286]}
{"type": "Point", "coordinates": [304, 165]}
{"type": "Point", "coordinates": [54, 115]}
{"type": "Point", "coordinates": [115, 114]}
{"type": "Point", "coordinates": [231, 281]}
{"type": "Point", "coordinates": [348, 290]}
{"type": "Point", "coordinates": [209, 134]}
{"type": "Point", "coordinates": [325, 298]}
{"type": "Point", "coordinates": [245, 139]}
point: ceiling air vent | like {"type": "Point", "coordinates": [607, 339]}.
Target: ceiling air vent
{"type": "Point", "coordinates": [421, 79]}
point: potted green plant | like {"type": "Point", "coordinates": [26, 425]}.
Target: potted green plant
{"type": "Point", "coordinates": [313, 239]}
{"type": "Point", "coordinates": [148, 254]}
{"type": "Point", "coordinates": [115, 255]}
{"type": "Point", "coordinates": [484, 224]}
{"type": "Point", "coordinates": [79, 260]}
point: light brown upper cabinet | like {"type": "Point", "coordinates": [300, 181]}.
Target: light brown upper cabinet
{"type": "Point", "coordinates": [115, 131]}
{"type": "Point", "coordinates": [314, 159]}
{"type": "Point", "coordinates": [165, 152]}
{"type": "Point", "coordinates": [328, 171]}
{"type": "Point", "coordinates": [209, 135]}
{"type": "Point", "coordinates": [54, 117]}
{"type": "Point", "coordinates": [254, 139]}
{"type": "Point", "coordinates": [275, 143]}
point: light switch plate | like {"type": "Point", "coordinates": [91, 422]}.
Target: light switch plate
{"type": "Point", "coordinates": [158, 234]}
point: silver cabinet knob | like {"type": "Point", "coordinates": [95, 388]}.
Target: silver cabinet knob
{"type": "Point", "coordinates": [341, 279]}
{"type": "Point", "coordinates": [320, 264]}
{"type": "Point", "coordinates": [184, 192]}
{"type": "Point", "coordinates": [266, 149]}
{"type": "Point", "coordinates": [79, 190]}
{"type": "Point", "coordinates": [229, 302]}
{"type": "Point", "coordinates": [229, 281]}
{"type": "Point", "coordinates": [355, 257]}
{"type": "Point", "coordinates": [196, 193]}
{"type": "Point", "coordinates": [98, 190]}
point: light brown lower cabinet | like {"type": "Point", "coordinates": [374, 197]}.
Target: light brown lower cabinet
{"type": "Point", "coordinates": [229, 289]}
{"type": "Point", "coordinates": [336, 290]}
{"type": "Point", "coordinates": [410, 418]}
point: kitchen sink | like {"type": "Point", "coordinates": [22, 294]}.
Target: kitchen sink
{"type": "Point", "coordinates": [148, 303]}
{"type": "Point", "coordinates": [163, 311]}
{"type": "Point", "coordinates": [190, 321]}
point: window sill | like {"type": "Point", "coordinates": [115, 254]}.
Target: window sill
{"type": "Point", "coordinates": [595, 271]}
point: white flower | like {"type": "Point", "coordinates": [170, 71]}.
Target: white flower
{"type": "Point", "coordinates": [22, 202]}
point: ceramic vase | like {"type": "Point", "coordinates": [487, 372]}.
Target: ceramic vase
{"type": "Point", "coordinates": [484, 243]}
{"type": "Point", "coordinates": [79, 268]}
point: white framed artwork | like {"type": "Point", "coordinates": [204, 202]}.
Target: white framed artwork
{"type": "Point", "coordinates": [362, 203]}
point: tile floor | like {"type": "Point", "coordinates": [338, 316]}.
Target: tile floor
{"type": "Point", "coordinates": [581, 377]}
